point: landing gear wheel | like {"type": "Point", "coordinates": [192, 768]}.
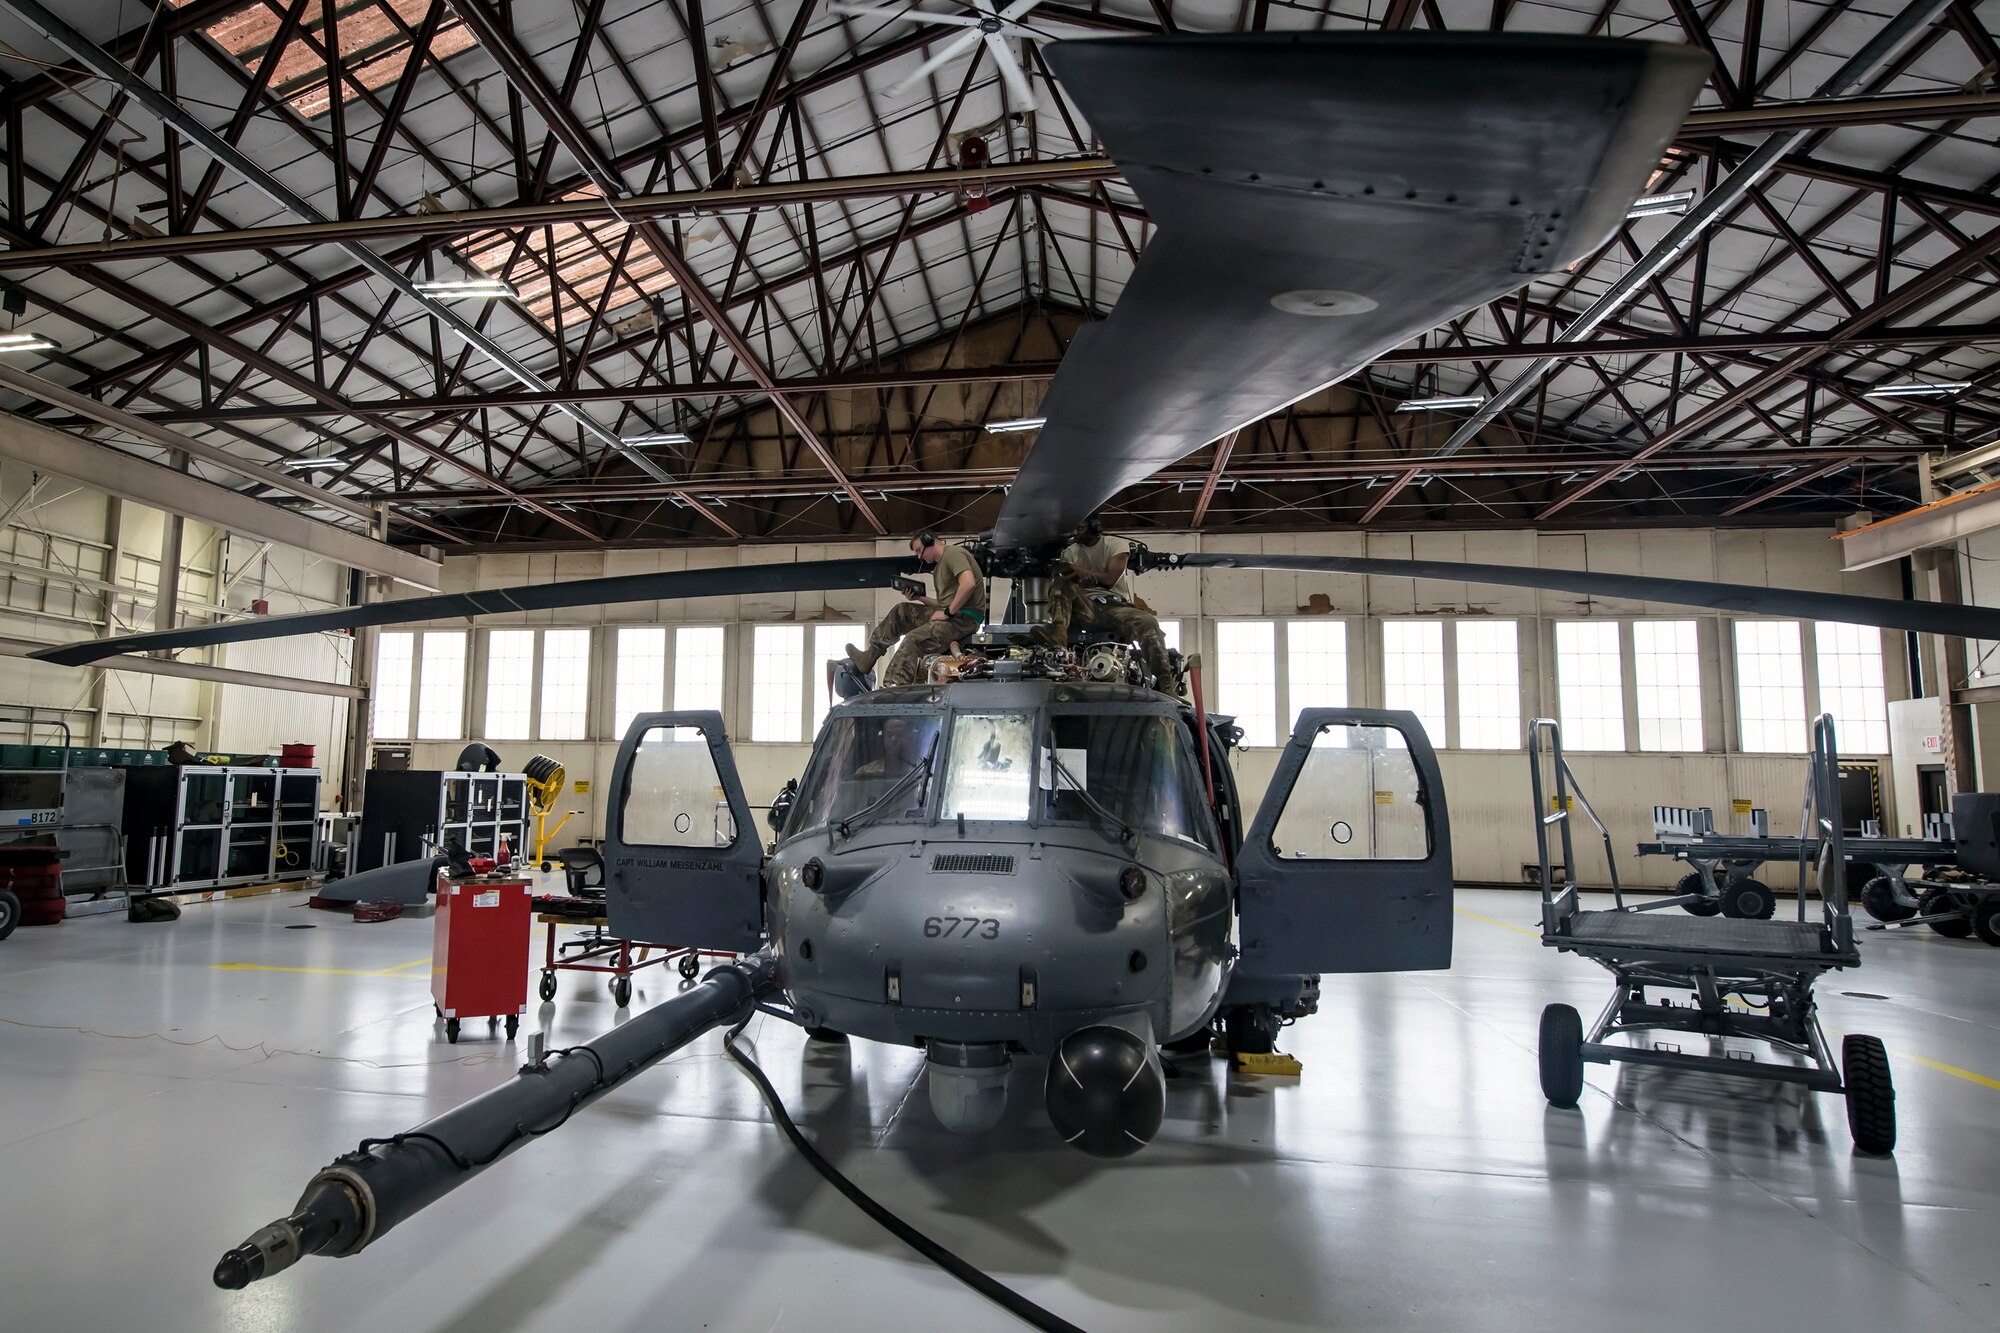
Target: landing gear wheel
{"type": "Point", "coordinates": [1748, 900]}
{"type": "Point", "coordinates": [825, 1034]}
{"type": "Point", "coordinates": [1878, 897]}
{"type": "Point", "coordinates": [1561, 1053]}
{"type": "Point", "coordinates": [1691, 883]}
{"type": "Point", "coordinates": [1251, 1029]}
{"type": "Point", "coordinates": [513, 1025]}
{"type": "Point", "coordinates": [1195, 1043]}
{"type": "Point", "coordinates": [1871, 1095]}
{"type": "Point", "coordinates": [689, 966]}
{"type": "Point", "coordinates": [1986, 920]}
{"type": "Point", "coordinates": [621, 991]}
{"type": "Point", "coordinates": [1936, 901]}
{"type": "Point", "coordinates": [451, 1030]}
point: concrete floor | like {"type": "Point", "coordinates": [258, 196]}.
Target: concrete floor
{"type": "Point", "coordinates": [165, 1089]}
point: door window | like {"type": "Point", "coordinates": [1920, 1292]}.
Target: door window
{"type": "Point", "coordinates": [1358, 798]}
{"type": "Point", "coordinates": [673, 794]}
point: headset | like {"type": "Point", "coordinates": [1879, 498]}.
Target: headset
{"type": "Point", "coordinates": [926, 539]}
{"type": "Point", "coordinates": [1093, 526]}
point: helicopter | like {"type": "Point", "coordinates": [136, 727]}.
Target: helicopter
{"type": "Point", "coordinates": [1036, 851]}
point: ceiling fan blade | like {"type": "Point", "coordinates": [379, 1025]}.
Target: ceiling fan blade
{"type": "Point", "coordinates": [944, 55]}
{"type": "Point", "coordinates": [1321, 198]}
{"type": "Point", "coordinates": [1974, 622]}
{"type": "Point", "coordinates": [807, 576]}
{"type": "Point", "coordinates": [1018, 8]}
{"type": "Point", "coordinates": [1019, 93]}
{"type": "Point", "coordinates": [913, 15]}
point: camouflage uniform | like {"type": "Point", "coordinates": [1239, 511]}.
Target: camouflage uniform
{"type": "Point", "coordinates": [1071, 605]}
{"type": "Point", "coordinates": [911, 622]}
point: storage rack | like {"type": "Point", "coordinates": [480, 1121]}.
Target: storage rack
{"type": "Point", "coordinates": [407, 815]}
{"type": "Point", "coordinates": [209, 827]}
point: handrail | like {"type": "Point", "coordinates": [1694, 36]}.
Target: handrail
{"type": "Point", "coordinates": [1568, 794]}
{"type": "Point", "coordinates": [1823, 808]}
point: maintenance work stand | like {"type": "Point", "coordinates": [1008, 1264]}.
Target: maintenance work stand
{"type": "Point", "coordinates": [1745, 979]}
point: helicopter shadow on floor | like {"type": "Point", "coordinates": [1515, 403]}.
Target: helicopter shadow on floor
{"type": "Point", "coordinates": [998, 1183]}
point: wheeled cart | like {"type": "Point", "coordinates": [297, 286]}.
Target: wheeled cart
{"type": "Point", "coordinates": [593, 949]}
{"type": "Point", "coordinates": [479, 950]}
{"type": "Point", "coordinates": [1709, 977]}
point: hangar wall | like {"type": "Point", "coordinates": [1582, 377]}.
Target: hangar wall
{"type": "Point", "coordinates": [1493, 836]}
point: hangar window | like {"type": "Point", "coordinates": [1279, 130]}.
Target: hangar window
{"type": "Point", "coordinates": [1246, 677]}
{"type": "Point", "coordinates": [829, 644]}
{"type": "Point", "coordinates": [1489, 685]}
{"type": "Point", "coordinates": [374, 46]}
{"type": "Point", "coordinates": [510, 683]}
{"type": "Point", "coordinates": [1850, 686]}
{"type": "Point", "coordinates": [777, 682]}
{"type": "Point", "coordinates": [395, 653]}
{"type": "Point", "coordinates": [1590, 684]}
{"type": "Point", "coordinates": [1170, 630]}
{"type": "Point", "coordinates": [698, 667]}
{"type": "Point", "coordinates": [1316, 664]}
{"type": "Point", "coordinates": [641, 684]}
{"type": "Point", "coordinates": [1770, 687]}
{"type": "Point", "coordinates": [441, 686]}
{"type": "Point", "coordinates": [1667, 664]}
{"type": "Point", "coordinates": [565, 684]}
{"type": "Point", "coordinates": [1413, 672]}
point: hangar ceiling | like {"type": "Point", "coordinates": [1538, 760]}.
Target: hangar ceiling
{"type": "Point", "coordinates": [733, 228]}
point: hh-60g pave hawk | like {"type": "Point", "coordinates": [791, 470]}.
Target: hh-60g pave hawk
{"type": "Point", "coordinates": [1011, 860]}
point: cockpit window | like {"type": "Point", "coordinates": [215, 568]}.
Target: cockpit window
{"type": "Point", "coordinates": [1136, 767]}
{"type": "Point", "coordinates": [862, 760]}
{"type": "Point", "coordinates": [989, 776]}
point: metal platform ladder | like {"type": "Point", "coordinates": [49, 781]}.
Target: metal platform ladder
{"type": "Point", "coordinates": [1729, 980]}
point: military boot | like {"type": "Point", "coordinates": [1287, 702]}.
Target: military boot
{"type": "Point", "coordinates": [864, 659]}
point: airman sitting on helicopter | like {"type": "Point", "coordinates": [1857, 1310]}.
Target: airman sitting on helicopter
{"type": "Point", "coordinates": [927, 625]}
{"type": "Point", "coordinates": [1092, 590]}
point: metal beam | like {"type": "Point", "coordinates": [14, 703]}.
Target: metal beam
{"type": "Point", "coordinates": [1820, 113]}
{"type": "Point", "coordinates": [121, 474]}
{"type": "Point", "coordinates": [1940, 523]}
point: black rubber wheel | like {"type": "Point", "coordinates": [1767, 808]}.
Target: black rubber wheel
{"type": "Point", "coordinates": [547, 990]}
{"type": "Point", "coordinates": [1939, 900]}
{"type": "Point", "coordinates": [451, 1030]}
{"type": "Point", "coordinates": [690, 965]}
{"type": "Point", "coordinates": [513, 1025]}
{"type": "Point", "coordinates": [1251, 1029]}
{"type": "Point", "coordinates": [547, 866]}
{"type": "Point", "coordinates": [1871, 1094]}
{"type": "Point", "coordinates": [1986, 919]}
{"type": "Point", "coordinates": [621, 991]}
{"type": "Point", "coordinates": [1561, 1053]}
{"type": "Point", "coordinates": [1748, 900]}
{"type": "Point", "coordinates": [825, 1034]}
{"type": "Point", "coordinates": [1195, 1043]}
{"type": "Point", "coordinates": [10, 912]}
{"type": "Point", "coordinates": [1878, 899]}
{"type": "Point", "coordinates": [1691, 883]}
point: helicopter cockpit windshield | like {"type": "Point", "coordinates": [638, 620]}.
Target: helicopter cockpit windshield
{"type": "Point", "coordinates": [865, 761]}
{"type": "Point", "coordinates": [1136, 768]}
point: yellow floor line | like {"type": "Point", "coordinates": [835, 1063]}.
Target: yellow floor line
{"type": "Point", "coordinates": [1899, 1054]}
{"type": "Point", "coordinates": [323, 971]}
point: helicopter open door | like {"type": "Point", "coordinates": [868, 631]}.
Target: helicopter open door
{"type": "Point", "coordinates": [1347, 867]}
{"type": "Point", "coordinates": [681, 859]}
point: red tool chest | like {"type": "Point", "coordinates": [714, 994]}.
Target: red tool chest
{"type": "Point", "coordinates": [479, 954]}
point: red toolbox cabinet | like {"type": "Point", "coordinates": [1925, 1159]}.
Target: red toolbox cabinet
{"type": "Point", "coordinates": [479, 953]}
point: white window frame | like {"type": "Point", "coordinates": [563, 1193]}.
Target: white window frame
{"type": "Point", "coordinates": [1773, 730]}
{"type": "Point", "coordinates": [686, 638]}
{"type": "Point", "coordinates": [511, 719]}
{"type": "Point", "coordinates": [638, 674]}
{"type": "Point", "coordinates": [1582, 693]}
{"type": "Point", "coordinates": [571, 673]}
{"type": "Point", "coordinates": [1853, 685]}
{"type": "Point", "coordinates": [1659, 672]}
{"type": "Point", "coordinates": [1430, 700]}
{"type": "Point", "coordinates": [1254, 703]}
{"type": "Point", "coordinates": [777, 683]}
{"type": "Point", "coordinates": [440, 716]}
{"type": "Point", "coordinates": [1478, 728]}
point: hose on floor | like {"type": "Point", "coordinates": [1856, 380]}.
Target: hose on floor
{"type": "Point", "coordinates": [1005, 1297]}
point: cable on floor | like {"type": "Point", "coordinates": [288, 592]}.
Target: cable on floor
{"type": "Point", "coordinates": [1004, 1296]}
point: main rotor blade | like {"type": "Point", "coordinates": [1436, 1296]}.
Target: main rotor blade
{"type": "Point", "coordinates": [1973, 622]}
{"type": "Point", "coordinates": [1321, 198]}
{"type": "Point", "coordinates": [809, 576]}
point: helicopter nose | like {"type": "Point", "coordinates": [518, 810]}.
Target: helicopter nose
{"type": "Point", "coordinates": [1106, 1093]}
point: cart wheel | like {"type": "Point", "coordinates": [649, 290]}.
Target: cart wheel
{"type": "Point", "coordinates": [1748, 900]}
{"type": "Point", "coordinates": [547, 866]}
{"type": "Point", "coordinates": [451, 1030]}
{"type": "Point", "coordinates": [1691, 883]}
{"type": "Point", "coordinates": [10, 912]}
{"type": "Point", "coordinates": [1561, 1052]}
{"type": "Point", "coordinates": [513, 1025]}
{"type": "Point", "coordinates": [1878, 897]}
{"type": "Point", "coordinates": [1871, 1096]}
{"type": "Point", "coordinates": [1986, 919]}
{"type": "Point", "coordinates": [547, 990]}
{"type": "Point", "coordinates": [1250, 1029]}
{"type": "Point", "coordinates": [621, 991]}
{"type": "Point", "coordinates": [689, 966]}
{"type": "Point", "coordinates": [1939, 900]}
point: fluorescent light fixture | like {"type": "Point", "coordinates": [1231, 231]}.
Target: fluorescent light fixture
{"type": "Point", "coordinates": [26, 342]}
{"type": "Point", "coordinates": [657, 437]}
{"type": "Point", "coordinates": [1017, 424]}
{"type": "Point", "coordinates": [306, 463]}
{"type": "Point", "coordinates": [469, 289]}
{"type": "Point", "coordinates": [1661, 205]}
{"type": "Point", "coordinates": [1935, 390]}
{"type": "Point", "coordinates": [1440, 404]}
